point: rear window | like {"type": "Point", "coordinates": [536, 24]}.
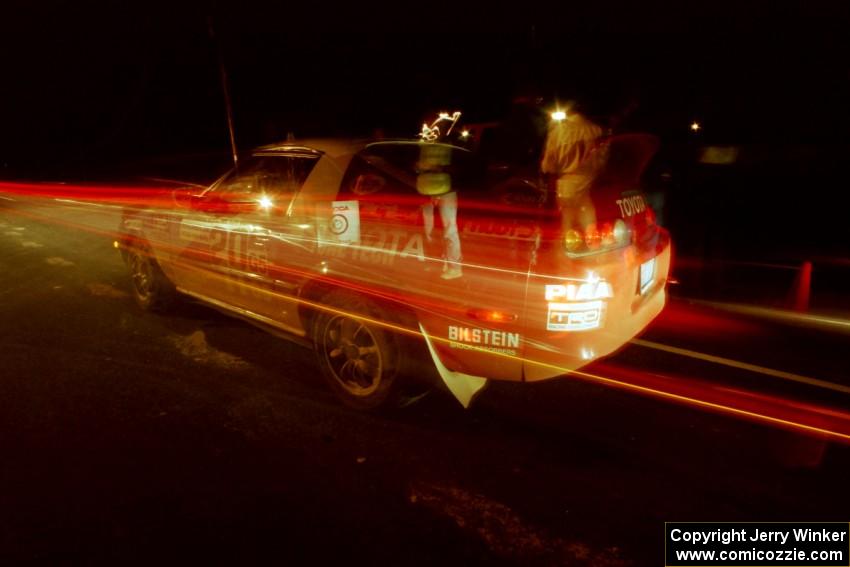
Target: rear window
{"type": "Point", "coordinates": [413, 170]}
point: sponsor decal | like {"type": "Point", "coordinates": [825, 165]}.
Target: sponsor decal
{"type": "Point", "coordinates": [575, 316]}
{"type": "Point", "coordinates": [339, 224]}
{"type": "Point", "coordinates": [599, 289]}
{"type": "Point", "coordinates": [190, 232]}
{"type": "Point", "coordinates": [377, 212]}
{"type": "Point", "coordinates": [134, 224]}
{"type": "Point", "coordinates": [156, 223]}
{"type": "Point", "coordinates": [630, 206]}
{"type": "Point", "coordinates": [247, 253]}
{"type": "Point", "coordinates": [577, 306]}
{"type": "Point", "coordinates": [382, 247]}
{"type": "Point", "coordinates": [512, 230]}
{"type": "Point", "coordinates": [491, 340]}
{"type": "Point", "coordinates": [345, 221]}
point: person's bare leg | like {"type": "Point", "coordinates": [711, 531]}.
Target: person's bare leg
{"type": "Point", "coordinates": [451, 236]}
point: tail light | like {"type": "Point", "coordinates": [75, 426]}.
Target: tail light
{"type": "Point", "coordinates": [644, 224]}
{"type": "Point", "coordinates": [492, 316]}
{"type": "Point", "coordinates": [649, 217]}
{"type": "Point", "coordinates": [597, 238]}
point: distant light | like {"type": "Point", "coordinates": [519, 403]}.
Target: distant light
{"type": "Point", "coordinates": [265, 202]}
{"type": "Point", "coordinates": [559, 115]}
{"type": "Point", "coordinates": [695, 126]}
{"type": "Point", "coordinates": [464, 134]}
{"type": "Point", "coordinates": [115, 244]}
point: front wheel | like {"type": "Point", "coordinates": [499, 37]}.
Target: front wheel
{"type": "Point", "coordinates": [358, 357]}
{"type": "Point", "coordinates": [152, 290]}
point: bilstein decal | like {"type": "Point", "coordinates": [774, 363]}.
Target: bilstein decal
{"type": "Point", "coordinates": [491, 340]}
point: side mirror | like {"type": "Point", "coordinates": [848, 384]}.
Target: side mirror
{"type": "Point", "coordinates": [183, 197]}
{"type": "Point", "coordinates": [197, 202]}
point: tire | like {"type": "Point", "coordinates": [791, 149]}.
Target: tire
{"type": "Point", "coordinates": [151, 289]}
{"type": "Point", "coordinates": [359, 360]}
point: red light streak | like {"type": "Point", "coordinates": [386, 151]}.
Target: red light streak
{"type": "Point", "coordinates": [813, 419]}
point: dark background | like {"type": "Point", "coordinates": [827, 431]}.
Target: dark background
{"type": "Point", "coordinates": [119, 442]}
{"type": "Point", "coordinates": [94, 83]}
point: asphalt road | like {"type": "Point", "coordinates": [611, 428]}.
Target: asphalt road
{"type": "Point", "coordinates": [129, 437]}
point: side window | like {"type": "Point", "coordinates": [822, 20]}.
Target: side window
{"type": "Point", "coordinates": [368, 183]}
{"type": "Point", "coordinates": [290, 173]}
{"type": "Point", "coordinates": [273, 175]}
{"type": "Point", "coordinates": [385, 192]}
{"type": "Point", "coordinates": [372, 177]}
{"type": "Point", "coordinates": [424, 169]}
{"type": "Point", "coordinates": [241, 183]}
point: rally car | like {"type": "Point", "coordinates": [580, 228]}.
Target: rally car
{"type": "Point", "coordinates": [367, 249]}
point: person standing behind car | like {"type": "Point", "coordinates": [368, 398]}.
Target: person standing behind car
{"type": "Point", "coordinates": [434, 181]}
{"type": "Point", "coordinates": [572, 157]}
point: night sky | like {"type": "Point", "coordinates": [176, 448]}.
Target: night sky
{"type": "Point", "coordinates": [89, 82]}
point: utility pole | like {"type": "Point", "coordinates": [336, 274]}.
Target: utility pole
{"type": "Point", "coordinates": [227, 104]}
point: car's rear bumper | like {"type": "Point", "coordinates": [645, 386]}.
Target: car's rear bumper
{"type": "Point", "coordinates": [532, 347]}
{"type": "Point", "coordinates": [549, 353]}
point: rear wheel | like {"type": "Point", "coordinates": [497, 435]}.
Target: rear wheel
{"type": "Point", "coordinates": [152, 290]}
{"type": "Point", "coordinates": [359, 359]}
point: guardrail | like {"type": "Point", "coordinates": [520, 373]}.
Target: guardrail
{"type": "Point", "coordinates": [800, 293]}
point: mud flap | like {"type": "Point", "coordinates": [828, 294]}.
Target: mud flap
{"type": "Point", "coordinates": [464, 387]}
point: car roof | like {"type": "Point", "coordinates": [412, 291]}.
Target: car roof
{"type": "Point", "coordinates": [334, 147]}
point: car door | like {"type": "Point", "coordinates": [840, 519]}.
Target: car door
{"type": "Point", "coordinates": [224, 243]}
{"type": "Point", "coordinates": [272, 249]}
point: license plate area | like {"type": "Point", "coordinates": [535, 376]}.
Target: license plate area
{"type": "Point", "coordinates": [647, 276]}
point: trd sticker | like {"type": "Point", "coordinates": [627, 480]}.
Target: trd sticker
{"type": "Point", "coordinates": [575, 316]}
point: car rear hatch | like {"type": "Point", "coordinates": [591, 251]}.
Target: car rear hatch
{"type": "Point", "coordinates": [597, 282]}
